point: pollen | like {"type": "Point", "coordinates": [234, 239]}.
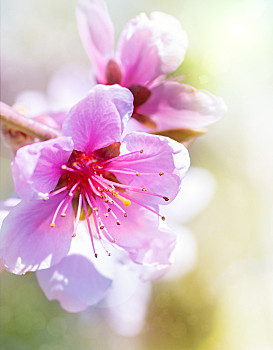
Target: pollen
{"type": "Point", "coordinates": [125, 201]}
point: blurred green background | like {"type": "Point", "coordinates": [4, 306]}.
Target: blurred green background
{"type": "Point", "coordinates": [226, 302]}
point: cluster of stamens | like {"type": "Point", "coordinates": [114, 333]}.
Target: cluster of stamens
{"type": "Point", "coordinates": [92, 184]}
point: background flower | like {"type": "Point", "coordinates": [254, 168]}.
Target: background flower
{"type": "Point", "coordinates": [149, 48]}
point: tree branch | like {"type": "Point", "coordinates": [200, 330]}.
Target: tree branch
{"type": "Point", "coordinates": [10, 118]}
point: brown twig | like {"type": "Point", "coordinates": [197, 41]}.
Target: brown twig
{"type": "Point", "coordinates": [10, 118]}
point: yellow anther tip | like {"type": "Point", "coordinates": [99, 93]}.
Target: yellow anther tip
{"type": "Point", "coordinates": [74, 235]}
{"type": "Point", "coordinates": [114, 240]}
{"type": "Point", "coordinates": [70, 194]}
{"type": "Point", "coordinates": [163, 218]}
{"type": "Point", "coordinates": [127, 203]}
{"type": "Point", "coordinates": [63, 167]}
{"type": "Point", "coordinates": [52, 225]}
{"type": "Point", "coordinates": [63, 215]}
{"type": "Point", "coordinates": [141, 151]}
{"type": "Point", "coordinates": [144, 189]}
{"type": "Point", "coordinates": [45, 198]}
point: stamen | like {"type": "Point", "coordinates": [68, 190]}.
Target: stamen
{"type": "Point", "coordinates": [57, 211]}
{"type": "Point", "coordinates": [51, 194]}
{"type": "Point", "coordinates": [78, 215]}
{"type": "Point", "coordinates": [64, 167]}
{"type": "Point", "coordinates": [120, 158]}
{"type": "Point", "coordinates": [133, 189]}
{"type": "Point", "coordinates": [89, 226]}
{"type": "Point", "coordinates": [144, 206]}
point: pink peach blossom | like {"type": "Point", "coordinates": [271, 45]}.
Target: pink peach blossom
{"type": "Point", "coordinates": [93, 168]}
{"type": "Point", "coordinates": [147, 50]}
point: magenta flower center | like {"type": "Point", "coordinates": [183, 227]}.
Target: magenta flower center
{"type": "Point", "coordinates": [92, 185]}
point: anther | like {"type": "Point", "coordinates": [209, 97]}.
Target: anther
{"type": "Point", "coordinates": [63, 215]}
{"type": "Point", "coordinates": [70, 194]}
{"type": "Point", "coordinates": [109, 209]}
{"type": "Point", "coordinates": [118, 222]}
{"type": "Point", "coordinates": [160, 174]}
{"type": "Point", "coordinates": [74, 235]}
{"type": "Point", "coordinates": [75, 164]}
{"type": "Point", "coordinates": [96, 255]}
{"type": "Point", "coordinates": [163, 218]}
{"type": "Point", "coordinates": [125, 215]}
{"type": "Point", "coordinates": [137, 174]}
{"type": "Point", "coordinates": [114, 240]}
{"type": "Point", "coordinates": [63, 167]}
{"type": "Point", "coordinates": [52, 225]}
{"type": "Point", "coordinates": [45, 198]}
{"type": "Point", "coordinates": [144, 189]}
{"type": "Point", "coordinates": [141, 151]}
{"type": "Point", "coordinates": [101, 227]}
{"type": "Point", "coordinates": [106, 214]}
{"type": "Point", "coordinates": [166, 199]}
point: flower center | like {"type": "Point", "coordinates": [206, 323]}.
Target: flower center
{"type": "Point", "coordinates": [92, 185]}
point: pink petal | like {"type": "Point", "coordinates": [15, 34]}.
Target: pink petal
{"type": "Point", "coordinates": [74, 282]}
{"type": "Point", "coordinates": [99, 119]}
{"type": "Point", "coordinates": [140, 235]}
{"type": "Point", "coordinates": [174, 105]}
{"type": "Point", "coordinates": [97, 34]}
{"type": "Point", "coordinates": [27, 241]}
{"type": "Point", "coordinates": [149, 47]}
{"type": "Point", "coordinates": [37, 167]}
{"type": "Point", "coordinates": [160, 155]}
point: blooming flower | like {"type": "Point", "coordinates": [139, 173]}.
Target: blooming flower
{"type": "Point", "coordinates": [93, 169]}
{"type": "Point", "coordinates": [119, 289]}
{"type": "Point", "coordinates": [147, 50]}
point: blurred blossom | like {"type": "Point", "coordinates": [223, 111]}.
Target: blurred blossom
{"type": "Point", "coordinates": [148, 49]}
